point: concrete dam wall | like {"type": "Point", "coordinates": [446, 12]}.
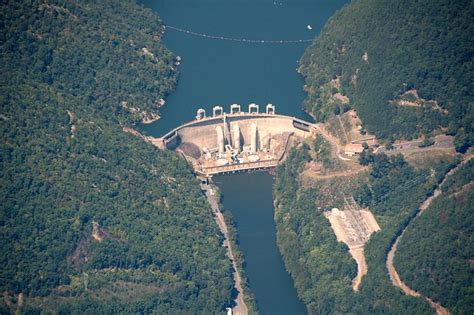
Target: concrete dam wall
{"type": "Point", "coordinates": [203, 133]}
{"type": "Point", "coordinates": [236, 141]}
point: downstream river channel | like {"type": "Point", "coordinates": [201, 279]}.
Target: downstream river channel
{"type": "Point", "coordinates": [219, 72]}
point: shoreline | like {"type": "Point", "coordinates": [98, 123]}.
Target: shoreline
{"type": "Point", "coordinates": [240, 307]}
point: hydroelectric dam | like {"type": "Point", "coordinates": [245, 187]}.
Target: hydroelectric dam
{"type": "Point", "coordinates": [237, 140]}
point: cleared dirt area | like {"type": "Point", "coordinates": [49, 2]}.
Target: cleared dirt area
{"type": "Point", "coordinates": [354, 227]}
{"type": "Point", "coordinates": [412, 99]}
{"type": "Point", "coordinates": [332, 140]}
{"type": "Point", "coordinates": [347, 127]}
{"type": "Point", "coordinates": [341, 98]}
{"type": "Point", "coordinates": [308, 173]}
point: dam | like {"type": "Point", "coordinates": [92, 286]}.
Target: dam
{"type": "Point", "coordinates": [237, 140]}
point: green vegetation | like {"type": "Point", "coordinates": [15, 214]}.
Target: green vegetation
{"type": "Point", "coordinates": [426, 143]}
{"type": "Point", "coordinates": [249, 297]}
{"type": "Point", "coordinates": [322, 149]}
{"type": "Point", "coordinates": [320, 266]}
{"type": "Point", "coordinates": [376, 51]}
{"type": "Point", "coordinates": [94, 220]}
{"type": "Point", "coordinates": [406, 70]}
{"type": "Point", "coordinates": [435, 255]}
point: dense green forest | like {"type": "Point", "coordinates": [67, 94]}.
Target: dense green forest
{"type": "Point", "coordinates": [435, 255]}
{"type": "Point", "coordinates": [406, 67]}
{"type": "Point", "coordinates": [94, 220]}
{"type": "Point", "coordinates": [320, 266]}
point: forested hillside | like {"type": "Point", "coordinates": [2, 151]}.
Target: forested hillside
{"type": "Point", "coordinates": [321, 267]}
{"type": "Point", "coordinates": [405, 66]}
{"type": "Point", "coordinates": [436, 254]}
{"type": "Point", "coordinates": [93, 220]}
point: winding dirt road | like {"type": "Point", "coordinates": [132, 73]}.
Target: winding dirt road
{"type": "Point", "coordinates": [396, 281]}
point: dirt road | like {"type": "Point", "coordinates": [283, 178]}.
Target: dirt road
{"type": "Point", "coordinates": [240, 308]}
{"type": "Point", "coordinates": [333, 140]}
{"type": "Point", "coordinates": [347, 173]}
{"type": "Point", "coordinates": [440, 310]}
{"type": "Point", "coordinates": [358, 255]}
{"type": "Point", "coordinates": [441, 142]}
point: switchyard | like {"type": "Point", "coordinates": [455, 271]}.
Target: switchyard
{"type": "Point", "coordinates": [353, 226]}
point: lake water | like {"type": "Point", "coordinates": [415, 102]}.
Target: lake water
{"type": "Point", "coordinates": [218, 72]}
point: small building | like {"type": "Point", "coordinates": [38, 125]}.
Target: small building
{"type": "Point", "coordinates": [353, 149]}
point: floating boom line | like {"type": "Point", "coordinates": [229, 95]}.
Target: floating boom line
{"type": "Point", "coordinates": [241, 40]}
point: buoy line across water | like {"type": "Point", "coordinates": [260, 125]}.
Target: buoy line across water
{"type": "Point", "coordinates": [242, 40]}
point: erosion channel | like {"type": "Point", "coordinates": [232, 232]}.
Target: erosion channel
{"type": "Point", "coordinates": [219, 72]}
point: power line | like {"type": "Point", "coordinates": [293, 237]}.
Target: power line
{"type": "Point", "coordinates": [418, 179]}
{"type": "Point", "coordinates": [241, 40]}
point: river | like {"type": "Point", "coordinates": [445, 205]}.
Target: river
{"type": "Point", "coordinates": [219, 72]}
{"type": "Point", "coordinates": [249, 198]}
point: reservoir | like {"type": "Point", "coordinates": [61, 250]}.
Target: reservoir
{"type": "Point", "coordinates": [220, 72]}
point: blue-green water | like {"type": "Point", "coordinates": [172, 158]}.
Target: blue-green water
{"type": "Point", "coordinates": [249, 198]}
{"type": "Point", "coordinates": [216, 72]}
